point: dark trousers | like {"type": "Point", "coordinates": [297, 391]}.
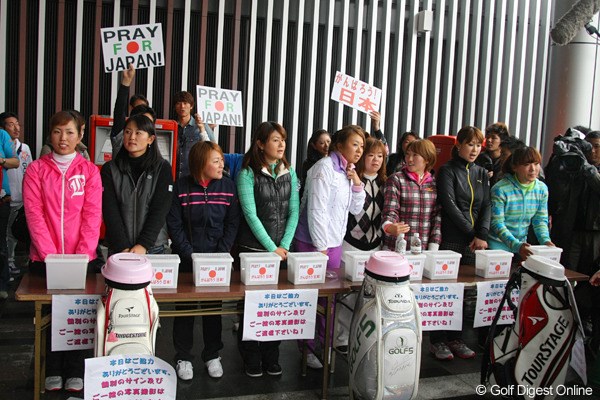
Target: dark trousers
{"type": "Point", "coordinates": [68, 364]}
{"type": "Point", "coordinates": [183, 336]}
{"type": "Point", "coordinates": [183, 331]}
{"type": "Point", "coordinates": [255, 353]}
{"type": "Point", "coordinates": [4, 271]}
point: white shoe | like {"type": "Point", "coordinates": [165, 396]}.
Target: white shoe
{"type": "Point", "coordinates": [215, 369]}
{"type": "Point", "coordinates": [74, 385]}
{"type": "Point", "coordinates": [185, 370]}
{"type": "Point", "coordinates": [313, 362]}
{"type": "Point", "coordinates": [53, 383]}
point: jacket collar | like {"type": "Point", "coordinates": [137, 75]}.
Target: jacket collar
{"type": "Point", "coordinates": [415, 178]}
{"type": "Point", "coordinates": [339, 162]}
{"type": "Point", "coordinates": [280, 170]}
{"type": "Point", "coordinates": [461, 161]}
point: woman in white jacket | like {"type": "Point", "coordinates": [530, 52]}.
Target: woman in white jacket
{"type": "Point", "coordinates": [332, 190]}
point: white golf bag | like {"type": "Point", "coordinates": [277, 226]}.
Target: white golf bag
{"type": "Point", "coordinates": [384, 352]}
{"type": "Point", "coordinates": [127, 316]}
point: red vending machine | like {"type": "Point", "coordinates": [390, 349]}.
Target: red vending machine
{"type": "Point", "coordinates": [100, 147]}
{"type": "Point", "coordinates": [443, 146]}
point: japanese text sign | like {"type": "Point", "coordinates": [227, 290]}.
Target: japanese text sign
{"type": "Point", "coordinates": [219, 106]}
{"type": "Point", "coordinates": [130, 377]}
{"type": "Point", "coordinates": [440, 305]}
{"type": "Point", "coordinates": [355, 93]}
{"type": "Point", "coordinates": [280, 314]}
{"type": "Point", "coordinates": [73, 321]}
{"type": "Point", "coordinates": [140, 45]}
{"type": "Point", "coordinates": [489, 295]}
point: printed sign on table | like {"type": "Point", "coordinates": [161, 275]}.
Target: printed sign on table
{"type": "Point", "coordinates": [129, 377]}
{"type": "Point", "coordinates": [219, 106]}
{"type": "Point", "coordinates": [73, 321]}
{"type": "Point", "coordinates": [280, 314]}
{"type": "Point", "coordinates": [440, 305]}
{"type": "Point", "coordinates": [140, 45]}
{"type": "Point", "coordinates": [355, 93]}
{"type": "Point", "coordinates": [489, 295]}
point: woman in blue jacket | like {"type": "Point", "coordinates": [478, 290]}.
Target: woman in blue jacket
{"type": "Point", "coordinates": [204, 218]}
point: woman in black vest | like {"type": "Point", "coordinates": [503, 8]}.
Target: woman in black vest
{"type": "Point", "coordinates": [268, 192]}
{"type": "Point", "coordinates": [137, 192]}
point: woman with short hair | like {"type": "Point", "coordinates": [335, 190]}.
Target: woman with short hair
{"type": "Point", "coordinates": [204, 218]}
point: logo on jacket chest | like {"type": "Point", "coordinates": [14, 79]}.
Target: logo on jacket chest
{"type": "Point", "coordinates": [76, 185]}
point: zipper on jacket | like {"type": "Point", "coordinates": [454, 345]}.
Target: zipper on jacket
{"type": "Point", "coordinates": [472, 196]}
{"type": "Point", "coordinates": [135, 204]}
{"type": "Point", "coordinates": [62, 212]}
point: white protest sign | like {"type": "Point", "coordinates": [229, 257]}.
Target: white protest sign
{"type": "Point", "coordinates": [140, 45]}
{"type": "Point", "coordinates": [280, 314]}
{"type": "Point", "coordinates": [219, 106]}
{"type": "Point", "coordinates": [440, 305]}
{"type": "Point", "coordinates": [489, 295]}
{"type": "Point", "coordinates": [129, 377]}
{"type": "Point", "coordinates": [73, 321]}
{"type": "Point", "coordinates": [355, 93]}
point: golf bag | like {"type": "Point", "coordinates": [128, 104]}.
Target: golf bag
{"type": "Point", "coordinates": [385, 333]}
{"type": "Point", "coordinates": [127, 316]}
{"type": "Point", "coordinates": [535, 350]}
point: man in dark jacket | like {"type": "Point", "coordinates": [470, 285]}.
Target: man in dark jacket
{"type": "Point", "coordinates": [585, 247]}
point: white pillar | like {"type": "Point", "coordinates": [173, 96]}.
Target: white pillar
{"type": "Point", "coordinates": [573, 84]}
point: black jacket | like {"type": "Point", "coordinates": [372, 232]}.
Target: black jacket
{"type": "Point", "coordinates": [211, 215]}
{"type": "Point", "coordinates": [134, 207]}
{"type": "Point", "coordinates": [464, 194]}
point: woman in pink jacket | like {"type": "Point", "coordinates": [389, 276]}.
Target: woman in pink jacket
{"type": "Point", "coordinates": [62, 195]}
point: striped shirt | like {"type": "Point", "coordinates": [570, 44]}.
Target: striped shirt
{"type": "Point", "coordinates": [514, 208]}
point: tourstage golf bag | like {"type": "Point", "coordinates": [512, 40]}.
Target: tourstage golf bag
{"type": "Point", "coordinates": [535, 350]}
{"type": "Point", "coordinates": [384, 354]}
{"type": "Point", "coordinates": [127, 316]}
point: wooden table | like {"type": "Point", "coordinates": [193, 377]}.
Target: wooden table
{"type": "Point", "coordinates": [33, 288]}
{"type": "Point", "coordinates": [206, 301]}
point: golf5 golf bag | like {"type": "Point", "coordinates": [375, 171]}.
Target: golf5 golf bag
{"type": "Point", "coordinates": [535, 350]}
{"type": "Point", "coordinates": [127, 316]}
{"type": "Point", "coordinates": [385, 333]}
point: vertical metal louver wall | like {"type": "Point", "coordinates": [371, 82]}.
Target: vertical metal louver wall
{"type": "Point", "coordinates": [483, 61]}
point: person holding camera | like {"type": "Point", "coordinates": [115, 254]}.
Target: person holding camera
{"type": "Point", "coordinates": [585, 245]}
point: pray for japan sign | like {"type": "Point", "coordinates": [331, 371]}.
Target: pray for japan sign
{"type": "Point", "coordinates": [129, 377]}
{"type": "Point", "coordinates": [355, 93]}
{"type": "Point", "coordinates": [73, 321]}
{"type": "Point", "coordinates": [140, 45]}
{"type": "Point", "coordinates": [219, 106]}
{"type": "Point", "coordinates": [489, 295]}
{"type": "Point", "coordinates": [440, 305]}
{"type": "Point", "coordinates": [280, 314]}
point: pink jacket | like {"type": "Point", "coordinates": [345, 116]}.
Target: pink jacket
{"type": "Point", "coordinates": [64, 211]}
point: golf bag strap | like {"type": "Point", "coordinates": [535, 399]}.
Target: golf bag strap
{"type": "Point", "coordinates": [513, 283]}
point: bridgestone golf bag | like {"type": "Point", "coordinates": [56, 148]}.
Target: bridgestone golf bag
{"type": "Point", "coordinates": [535, 350]}
{"type": "Point", "coordinates": [127, 316]}
{"type": "Point", "coordinates": [384, 354]}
